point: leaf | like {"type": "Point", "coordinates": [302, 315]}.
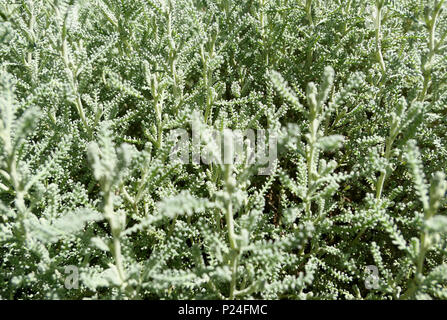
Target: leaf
{"type": "Point", "coordinates": [112, 276]}
{"type": "Point", "coordinates": [182, 204]}
{"type": "Point", "coordinates": [100, 244]}
{"type": "Point", "coordinates": [282, 87]}
{"type": "Point", "coordinates": [437, 224]}
{"type": "Point", "coordinates": [68, 224]}
{"type": "Point", "coordinates": [331, 143]}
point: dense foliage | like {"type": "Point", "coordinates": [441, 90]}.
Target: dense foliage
{"type": "Point", "coordinates": [354, 91]}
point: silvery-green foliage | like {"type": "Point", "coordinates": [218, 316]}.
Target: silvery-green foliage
{"type": "Point", "coordinates": [91, 92]}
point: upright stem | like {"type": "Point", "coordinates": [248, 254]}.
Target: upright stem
{"type": "Point", "coordinates": [209, 93]}
{"type": "Point", "coordinates": [81, 113]}
{"type": "Point", "coordinates": [310, 52]}
{"type": "Point", "coordinates": [157, 94]}
{"type": "Point", "coordinates": [229, 209]}
{"type": "Point", "coordinates": [378, 25]}
{"type": "Point", "coordinates": [310, 158]}
{"type": "Point", "coordinates": [381, 180]}
{"type": "Point", "coordinates": [74, 84]}
{"type": "Point", "coordinates": [383, 174]}
{"type": "Point", "coordinates": [118, 259]}
{"type": "Point", "coordinates": [208, 76]}
{"type": "Point", "coordinates": [234, 264]}
{"type": "Point", "coordinates": [19, 201]}
{"type": "Point", "coordinates": [263, 35]}
{"type": "Point", "coordinates": [309, 12]}
{"type": "Point", "coordinates": [29, 59]}
{"type": "Point", "coordinates": [116, 233]}
{"type": "Point", "coordinates": [159, 132]}
{"type": "Point", "coordinates": [172, 61]}
{"type": "Point", "coordinates": [419, 265]}
{"type": "Point", "coordinates": [432, 46]}
{"type": "Point", "coordinates": [234, 260]}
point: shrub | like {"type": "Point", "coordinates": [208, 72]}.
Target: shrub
{"type": "Point", "coordinates": [98, 99]}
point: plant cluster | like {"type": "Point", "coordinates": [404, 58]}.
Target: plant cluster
{"type": "Point", "coordinates": [353, 90]}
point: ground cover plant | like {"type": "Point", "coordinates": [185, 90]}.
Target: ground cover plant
{"type": "Point", "coordinates": [349, 96]}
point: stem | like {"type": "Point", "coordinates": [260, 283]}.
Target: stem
{"type": "Point", "coordinates": [264, 40]}
{"type": "Point", "coordinates": [208, 77]}
{"type": "Point", "coordinates": [32, 37]}
{"type": "Point", "coordinates": [309, 12]}
{"type": "Point", "coordinates": [383, 175]}
{"type": "Point", "coordinates": [310, 157]}
{"type": "Point", "coordinates": [234, 264]}
{"type": "Point", "coordinates": [19, 201]}
{"type": "Point", "coordinates": [158, 116]}
{"type": "Point", "coordinates": [118, 259]}
{"type": "Point", "coordinates": [419, 267]}
{"type": "Point", "coordinates": [172, 61]}
{"type": "Point", "coordinates": [381, 180]}
{"type": "Point", "coordinates": [209, 94]}
{"type": "Point", "coordinates": [116, 233]}
{"type": "Point", "coordinates": [159, 133]}
{"type": "Point", "coordinates": [229, 209]}
{"type": "Point", "coordinates": [74, 85]}
{"type": "Point", "coordinates": [228, 169]}
{"type": "Point", "coordinates": [172, 227]}
{"type": "Point", "coordinates": [432, 46]}
{"type": "Point", "coordinates": [310, 52]}
{"type": "Point", "coordinates": [378, 25]}
{"type": "Point", "coordinates": [81, 113]}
